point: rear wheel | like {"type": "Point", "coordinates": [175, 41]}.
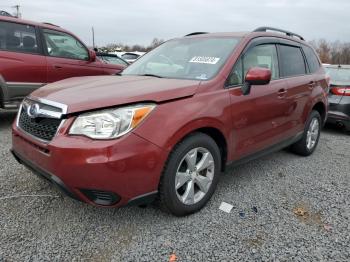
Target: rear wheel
{"type": "Point", "coordinates": [308, 143]}
{"type": "Point", "coordinates": [190, 175]}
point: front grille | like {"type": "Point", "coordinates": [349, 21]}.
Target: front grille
{"type": "Point", "coordinates": [40, 127]}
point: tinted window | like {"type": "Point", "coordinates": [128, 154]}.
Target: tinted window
{"type": "Point", "coordinates": [292, 61]}
{"type": "Point", "coordinates": [339, 75]}
{"type": "Point", "coordinates": [312, 59]}
{"type": "Point", "coordinates": [18, 38]}
{"type": "Point", "coordinates": [63, 45]}
{"type": "Point", "coordinates": [236, 76]}
{"type": "Point", "coordinates": [112, 60]}
{"type": "Point", "coordinates": [130, 56]}
{"type": "Point", "coordinates": [259, 56]}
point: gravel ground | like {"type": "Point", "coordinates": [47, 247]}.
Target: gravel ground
{"type": "Point", "coordinates": [267, 194]}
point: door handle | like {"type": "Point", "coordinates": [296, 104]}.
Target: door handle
{"type": "Point", "coordinates": [281, 93]}
{"type": "Point", "coordinates": [57, 67]}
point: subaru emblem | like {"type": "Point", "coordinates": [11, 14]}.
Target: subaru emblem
{"type": "Point", "coordinates": [33, 110]}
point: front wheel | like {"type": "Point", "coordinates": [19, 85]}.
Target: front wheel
{"type": "Point", "coordinates": [190, 175]}
{"type": "Point", "coordinates": [308, 143]}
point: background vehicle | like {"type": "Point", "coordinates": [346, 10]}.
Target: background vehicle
{"type": "Point", "coordinates": [112, 59]}
{"type": "Point", "coordinates": [33, 54]}
{"type": "Point", "coordinates": [4, 13]}
{"type": "Point", "coordinates": [152, 133]}
{"type": "Point", "coordinates": [339, 95]}
{"type": "Point", "coordinates": [131, 57]}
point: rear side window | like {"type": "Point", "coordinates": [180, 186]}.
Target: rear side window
{"type": "Point", "coordinates": [291, 61]}
{"type": "Point", "coordinates": [312, 59]}
{"type": "Point", "coordinates": [18, 38]}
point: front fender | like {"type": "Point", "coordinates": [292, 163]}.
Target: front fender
{"type": "Point", "coordinates": [170, 122]}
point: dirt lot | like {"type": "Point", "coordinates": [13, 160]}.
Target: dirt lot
{"type": "Point", "coordinates": [285, 208]}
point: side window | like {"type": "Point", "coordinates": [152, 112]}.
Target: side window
{"type": "Point", "coordinates": [236, 76]}
{"type": "Point", "coordinates": [63, 45]}
{"type": "Point", "coordinates": [292, 61]}
{"type": "Point", "coordinates": [259, 56]}
{"type": "Point", "coordinates": [312, 59]}
{"type": "Point", "coordinates": [18, 38]}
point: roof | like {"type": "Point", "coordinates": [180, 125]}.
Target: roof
{"type": "Point", "coordinates": [28, 22]}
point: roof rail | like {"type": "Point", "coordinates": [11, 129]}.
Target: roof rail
{"type": "Point", "coordinates": [45, 23]}
{"type": "Point", "coordinates": [196, 33]}
{"type": "Point", "coordinates": [288, 33]}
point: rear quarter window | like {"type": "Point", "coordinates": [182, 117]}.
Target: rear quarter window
{"type": "Point", "coordinates": [291, 61]}
{"type": "Point", "coordinates": [18, 38]}
{"type": "Point", "coordinates": [312, 59]}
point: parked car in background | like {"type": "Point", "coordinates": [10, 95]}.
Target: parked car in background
{"type": "Point", "coordinates": [112, 59]}
{"type": "Point", "coordinates": [131, 57]}
{"type": "Point", "coordinates": [4, 13]}
{"type": "Point", "coordinates": [339, 95]}
{"type": "Point", "coordinates": [148, 133]}
{"type": "Point", "coordinates": [34, 54]}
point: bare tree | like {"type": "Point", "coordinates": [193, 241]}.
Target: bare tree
{"type": "Point", "coordinates": [332, 52]}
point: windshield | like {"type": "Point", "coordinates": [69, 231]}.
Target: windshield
{"type": "Point", "coordinates": [186, 58]}
{"type": "Point", "coordinates": [339, 76]}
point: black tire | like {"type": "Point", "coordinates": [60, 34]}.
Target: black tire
{"type": "Point", "coordinates": [300, 147]}
{"type": "Point", "coordinates": [168, 198]}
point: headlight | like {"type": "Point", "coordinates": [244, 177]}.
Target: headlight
{"type": "Point", "coordinates": [110, 123]}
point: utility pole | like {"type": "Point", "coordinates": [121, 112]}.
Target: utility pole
{"type": "Point", "coordinates": [17, 14]}
{"type": "Point", "coordinates": [93, 37]}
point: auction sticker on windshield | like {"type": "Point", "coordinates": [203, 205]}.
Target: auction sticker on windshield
{"type": "Point", "coordinates": [205, 60]}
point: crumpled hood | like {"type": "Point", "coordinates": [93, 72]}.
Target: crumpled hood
{"type": "Point", "coordinates": [93, 92]}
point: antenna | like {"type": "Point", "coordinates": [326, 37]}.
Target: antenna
{"type": "Point", "coordinates": [17, 14]}
{"type": "Point", "coordinates": [93, 37]}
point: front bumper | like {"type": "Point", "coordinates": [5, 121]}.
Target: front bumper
{"type": "Point", "coordinates": [339, 110]}
{"type": "Point", "coordinates": [103, 173]}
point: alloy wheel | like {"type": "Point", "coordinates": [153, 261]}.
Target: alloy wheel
{"type": "Point", "coordinates": [194, 175]}
{"type": "Point", "coordinates": [312, 133]}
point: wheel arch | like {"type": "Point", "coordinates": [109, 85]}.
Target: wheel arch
{"type": "Point", "coordinates": [3, 91]}
{"type": "Point", "coordinates": [321, 109]}
{"type": "Point", "coordinates": [213, 128]}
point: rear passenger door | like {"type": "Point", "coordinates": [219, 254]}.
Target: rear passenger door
{"type": "Point", "coordinates": [22, 63]}
{"type": "Point", "coordinates": [300, 84]}
{"type": "Point", "coordinates": [67, 57]}
{"type": "Point", "coordinates": [258, 118]}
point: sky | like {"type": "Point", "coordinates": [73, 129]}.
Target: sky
{"type": "Point", "coordinates": [138, 22]}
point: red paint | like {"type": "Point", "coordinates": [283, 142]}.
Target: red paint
{"type": "Point", "coordinates": [258, 75]}
{"type": "Point", "coordinates": [41, 68]}
{"type": "Point", "coordinates": [132, 165]}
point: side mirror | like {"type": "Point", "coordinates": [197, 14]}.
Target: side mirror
{"type": "Point", "coordinates": [92, 56]}
{"type": "Point", "coordinates": [256, 76]}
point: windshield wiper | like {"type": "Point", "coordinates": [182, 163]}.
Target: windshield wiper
{"type": "Point", "coordinates": [151, 75]}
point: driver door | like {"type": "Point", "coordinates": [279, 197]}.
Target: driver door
{"type": "Point", "coordinates": [67, 57]}
{"type": "Point", "coordinates": [259, 118]}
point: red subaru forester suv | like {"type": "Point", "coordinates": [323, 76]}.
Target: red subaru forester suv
{"type": "Point", "coordinates": [171, 122]}
{"type": "Point", "coordinates": [34, 54]}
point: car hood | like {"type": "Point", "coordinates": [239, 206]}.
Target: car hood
{"type": "Point", "coordinates": [93, 92]}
